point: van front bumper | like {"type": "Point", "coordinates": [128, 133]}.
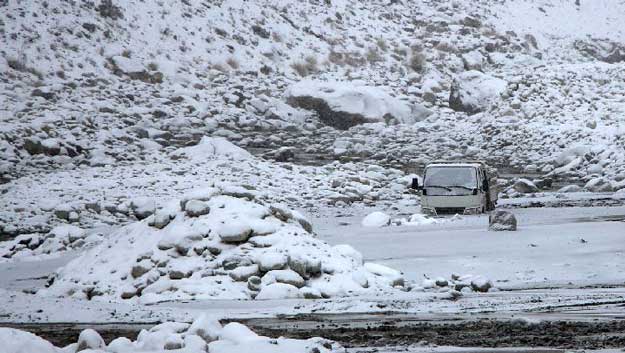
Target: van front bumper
{"type": "Point", "coordinates": [460, 204]}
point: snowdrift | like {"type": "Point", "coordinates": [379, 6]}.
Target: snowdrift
{"type": "Point", "coordinates": [219, 243]}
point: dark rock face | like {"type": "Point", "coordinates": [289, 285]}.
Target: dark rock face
{"type": "Point", "coordinates": [502, 220]}
{"type": "Point", "coordinates": [336, 119]}
{"type": "Point", "coordinates": [110, 10]}
{"type": "Point", "coordinates": [605, 51]}
{"type": "Point", "coordinates": [457, 103]}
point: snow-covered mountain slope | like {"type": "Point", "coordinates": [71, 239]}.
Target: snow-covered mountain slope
{"type": "Point", "coordinates": [91, 84]}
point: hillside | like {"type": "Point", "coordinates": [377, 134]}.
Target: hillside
{"type": "Point", "coordinates": [393, 83]}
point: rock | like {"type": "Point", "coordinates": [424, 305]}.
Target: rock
{"type": "Point", "coordinates": [232, 262]}
{"type": "Point", "coordinates": [345, 104]}
{"type": "Point", "coordinates": [176, 274]}
{"type": "Point", "coordinates": [254, 283]}
{"type": "Point", "coordinates": [545, 183]}
{"type": "Point", "coordinates": [196, 208]}
{"type": "Point", "coordinates": [63, 211]}
{"type": "Point", "coordinates": [284, 276]}
{"type": "Point", "coordinates": [243, 273]}
{"type": "Point", "coordinates": [283, 213]}
{"type": "Point", "coordinates": [205, 327]}
{"type": "Point", "coordinates": [160, 219]}
{"type": "Point", "coordinates": [45, 94]}
{"type": "Point", "coordinates": [441, 282]}
{"type": "Point", "coordinates": [129, 293]}
{"type": "Point", "coordinates": [51, 147]}
{"type": "Point", "coordinates": [481, 284]}
{"type": "Point", "coordinates": [282, 154]}
{"type": "Point", "coordinates": [173, 342]}
{"type": "Point", "coordinates": [235, 232]}
{"type": "Point", "coordinates": [602, 50]}
{"type": "Point", "coordinates": [500, 220]}
{"type": "Point", "coordinates": [473, 60]}
{"type": "Point", "coordinates": [33, 145]}
{"type": "Point", "coordinates": [142, 207]}
{"type": "Point", "coordinates": [279, 291]}
{"type": "Point", "coordinates": [570, 188]}
{"type": "Point", "coordinates": [599, 185]}
{"type": "Point", "coordinates": [525, 186]}
{"type": "Point", "coordinates": [272, 261]}
{"type": "Point", "coordinates": [90, 339]}
{"type": "Point", "coordinates": [141, 268]}
{"type": "Point", "coordinates": [93, 206]}
{"type": "Point", "coordinates": [472, 92]}
{"type": "Point", "coordinates": [304, 266]}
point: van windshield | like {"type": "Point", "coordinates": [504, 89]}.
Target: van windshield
{"type": "Point", "coordinates": [450, 180]}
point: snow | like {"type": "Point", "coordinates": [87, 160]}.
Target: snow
{"type": "Point", "coordinates": [104, 176]}
{"type": "Point", "coordinates": [213, 146]}
{"type": "Point", "coordinates": [279, 291]}
{"type": "Point", "coordinates": [376, 219]}
{"type": "Point", "coordinates": [418, 219]}
{"type": "Point", "coordinates": [16, 341]}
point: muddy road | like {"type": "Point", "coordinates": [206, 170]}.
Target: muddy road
{"type": "Point", "coordinates": [392, 330]}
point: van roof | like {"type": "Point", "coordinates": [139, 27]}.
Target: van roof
{"type": "Point", "coordinates": [476, 165]}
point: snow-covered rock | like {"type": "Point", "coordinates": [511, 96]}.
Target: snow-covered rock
{"type": "Point", "coordinates": [599, 185]}
{"type": "Point", "coordinates": [279, 291]}
{"type": "Point", "coordinates": [210, 147]}
{"type": "Point", "coordinates": [90, 339]}
{"type": "Point", "coordinates": [502, 220]}
{"type": "Point", "coordinates": [473, 91]}
{"type": "Point", "coordinates": [346, 104]}
{"type": "Point", "coordinates": [525, 186]}
{"type": "Point", "coordinates": [376, 219]}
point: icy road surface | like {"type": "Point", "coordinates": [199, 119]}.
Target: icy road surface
{"type": "Point", "coordinates": [553, 247]}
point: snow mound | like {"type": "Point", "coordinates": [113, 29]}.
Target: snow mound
{"type": "Point", "coordinates": [418, 219]}
{"type": "Point", "coordinates": [203, 335]}
{"type": "Point", "coordinates": [345, 104]}
{"type": "Point", "coordinates": [16, 341]}
{"type": "Point", "coordinates": [238, 247]}
{"type": "Point", "coordinates": [376, 219]}
{"type": "Point", "coordinates": [211, 147]}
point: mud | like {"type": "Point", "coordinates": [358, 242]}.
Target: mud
{"type": "Point", "coordinates": [380, 331]}
{"type": "Point", "coordinates": [486, 333]}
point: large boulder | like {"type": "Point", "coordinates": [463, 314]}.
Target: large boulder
{"type": "Point", "coordinates": [502, 220]}
{"type": "Point", "coordinates": [525, 186]}
{"type": "Point", "coordinates": [599, 185]}
{"type": "Point", "coordinates": [346, 104]}
{"type": "Point", "coordinates": [473, 92]}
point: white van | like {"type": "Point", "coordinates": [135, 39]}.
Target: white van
{"type": "Point", "coordinates": [457, 187]}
